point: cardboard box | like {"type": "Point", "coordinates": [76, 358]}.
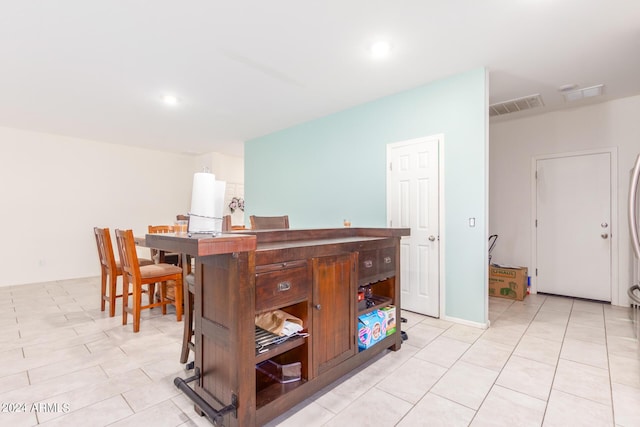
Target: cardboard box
{"type": "Point", "coordinates": [372, 328]}
{"type": "Point", "coordinates": [389, 313]}
{"type": "Point", "coordinates": [508, 282]}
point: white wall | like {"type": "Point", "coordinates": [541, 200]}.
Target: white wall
{"type": "Point", "coordinates": [514, 143]}
{"type": "Point", "coordinates": [55, 189]}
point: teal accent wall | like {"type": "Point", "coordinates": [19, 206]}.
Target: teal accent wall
{"type": "Point", "coordinates": [323, 171]}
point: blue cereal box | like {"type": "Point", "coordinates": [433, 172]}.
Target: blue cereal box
{"type": "Point", "coordinates": [372, 327]}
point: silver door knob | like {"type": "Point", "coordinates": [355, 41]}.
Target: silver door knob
{"type": "Point", "coordinates": [432, 238]}
{"type": "Point", "coordinates": [604, 235]}
{"type": "Point", "coordinates": [604, 225]}
{"type": "Point", "coordinates": [318, 306]}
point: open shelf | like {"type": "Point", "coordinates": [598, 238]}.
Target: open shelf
{"type": "Point", "coordinates": [268, 392]}
{"type": "Point", "coordinates": [293, 362]}
{"type": "Point", "coordinates": [277, 349]}
{"type": "Point", "coordinates": [378, 300]}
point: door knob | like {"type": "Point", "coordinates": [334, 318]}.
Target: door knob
{"type": "Point", "coordinates": [432, 238]}
{"type": "Point", "coordinates": [604, 225]}
{"type": "Point", "coordinates": [318, 306]}
{"type": "Point", "coordinates": [604, 235]}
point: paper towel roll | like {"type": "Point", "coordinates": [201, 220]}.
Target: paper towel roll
{"type": "Point", "coordinates": [203, 204]}
{"type": "Point", "coordinates": [203, 194]}
{"type": "Point", "coordinates": [220, 187]}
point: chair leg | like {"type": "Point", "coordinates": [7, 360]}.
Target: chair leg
{"type": "Point", "coordinates": [152, 293]}
{"type": "Point", "coordinates": [125, 299]}
{"type": "Point", "coordinates": [178, 299]}
{"type": "Point", "coordinates": [163, 297]}
{"type": "Point", "coordinates": [113, 279]}
{"type": "Point", "coordinates": [103, 289]}
{"type": "Point", "coordinates": [137, 303]}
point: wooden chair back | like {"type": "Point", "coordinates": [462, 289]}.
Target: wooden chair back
{"type": "Point", "coordinates": [105, 250]}
{"type": "Point", "coordinates": [128, 256]}
{"type": "Point", "coordinates": [161, 256]}
{"type": "Point", "coordinates": [154, 229]}
{"type": "Point", "coordinates": [109, 271]}
{"type": "Point", "coordinates": [226, 223]}
{"type": "Point", "coordinates": [269, 222]}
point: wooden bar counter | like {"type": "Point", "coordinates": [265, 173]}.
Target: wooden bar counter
{"type": "Point", "coordinates": [313, 275]}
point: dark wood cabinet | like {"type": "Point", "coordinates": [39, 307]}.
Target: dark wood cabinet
{"type": "Point", "coordinates": [313, 275]}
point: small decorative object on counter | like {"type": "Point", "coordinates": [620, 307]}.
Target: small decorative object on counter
{"type": "Point", "coordinates": [236, 203]}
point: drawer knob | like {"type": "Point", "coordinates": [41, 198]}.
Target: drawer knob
{"type": "Point", "coordinates": [318, 306]}
{"type": "Point", "coordinates": [387, 260]}
{"type": "Point", "coordinates": [284, 286]}
{"type": "Point", "coordinates": [368, 263]}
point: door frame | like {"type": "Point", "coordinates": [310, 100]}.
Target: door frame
{"type": "Point", "coordinates": [613, 152]}
{"type": "Point", "coordinates": [441, 226]}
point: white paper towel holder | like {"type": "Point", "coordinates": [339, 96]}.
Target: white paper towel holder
{"type": "Point", "coordinates": [207, 223]}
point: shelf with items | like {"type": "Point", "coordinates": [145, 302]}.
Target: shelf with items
{"type": "Point", "coordinates": [374, 302]}
{"type": "Point", "coordinates": [274, 350]}
{"type": "Point", "coordinates": [376, 295]}
{"type": "Point", "coordinates": [272, 380]}
{"type": "Point", "coordinates": [287, 352]}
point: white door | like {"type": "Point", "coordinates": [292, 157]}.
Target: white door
{"type": "Point", "coordinates": [412, 202]}
{"type": "Point", "coordinates": [573, 213]}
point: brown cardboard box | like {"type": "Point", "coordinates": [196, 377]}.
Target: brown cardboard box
{"type": "Point", "coordinates": [508, 283]}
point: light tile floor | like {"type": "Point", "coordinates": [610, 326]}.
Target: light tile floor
{"type": "Point", "coordinates": [548, 361]}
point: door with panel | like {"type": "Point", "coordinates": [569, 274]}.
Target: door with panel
{"type": "Point", "coordinates": [333, 307]}
{"type": "Point", "coordinates": [413, 193]}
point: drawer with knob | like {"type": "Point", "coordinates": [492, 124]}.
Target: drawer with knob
{"type": "Point", "coordinates": [375, 265]}
{"type": "Point", "coordinates": [386, 262]}
{"type": "Point", "coordinates": [282, 284]}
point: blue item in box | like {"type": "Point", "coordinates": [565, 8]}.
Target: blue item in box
{"type": "Point", "coordinates": [390, 318]}
{"type": "Point", "coordinates": [372, 327]}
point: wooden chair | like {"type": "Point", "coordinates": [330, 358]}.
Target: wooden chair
{"type": "Point", "coordinates": [269, 222]}
{"type": "Point", "coordinates": [110, 269]}
{"type": "Point", "coordinates": [162, 257]}
{"type": "Point", "coordinates": [138, 276]}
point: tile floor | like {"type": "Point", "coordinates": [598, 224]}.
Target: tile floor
{"type": "Point", "coordinates": [545, 361]}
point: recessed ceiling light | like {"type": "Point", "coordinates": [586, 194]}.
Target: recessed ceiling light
{"type": "Point", "coordinates": [170, 100]}
{"type": "Point", "coordinates": [380, 49]}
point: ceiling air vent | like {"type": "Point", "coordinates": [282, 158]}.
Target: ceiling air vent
{"type": "Point", "coordinates": [515, 105]}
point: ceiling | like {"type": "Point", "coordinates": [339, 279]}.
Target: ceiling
{"type": "Point", "coordinates": [241, 69]}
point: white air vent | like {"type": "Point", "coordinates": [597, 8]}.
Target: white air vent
{"type": "Point", "coordinates": [515, 105]}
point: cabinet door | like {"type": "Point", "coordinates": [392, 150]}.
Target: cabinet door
{"type": "Point", "coordinates": [334, 293]}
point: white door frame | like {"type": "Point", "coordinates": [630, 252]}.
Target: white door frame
{"type": "Point", "coordinates": [441, 225]}
{"type": "Point", "coordinates": [613, 152]}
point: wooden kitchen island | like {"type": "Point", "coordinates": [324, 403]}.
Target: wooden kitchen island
{"type": "Point", "coordinates": [313, 275]}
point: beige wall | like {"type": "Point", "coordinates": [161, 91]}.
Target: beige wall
{"type": "Point", "coordinates": [514, 143]}
{"type": "Point", "coordinates": [55, 189]}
